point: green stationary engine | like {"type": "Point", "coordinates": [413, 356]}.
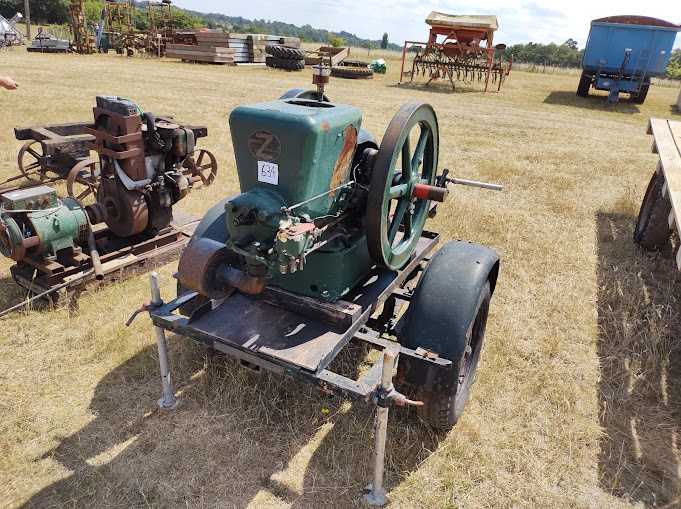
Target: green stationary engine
{"type": "Point", "coordinates": [320, 202]}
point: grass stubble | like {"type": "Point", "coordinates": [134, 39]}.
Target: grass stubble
{"type": "Point", "coordinates": [576, 403]}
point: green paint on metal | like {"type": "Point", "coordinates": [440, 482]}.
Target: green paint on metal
{"type": "Point", "coordinates": [291, 147]}
{"type": "Point", "coordinates": [329, 275]}
{"type": "Point", "coordinates": [60, 228]}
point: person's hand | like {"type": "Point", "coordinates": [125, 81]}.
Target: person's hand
{"type": "Point", "coordinates": [8, 83]}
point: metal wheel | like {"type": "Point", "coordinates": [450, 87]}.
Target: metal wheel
{"type": "Point", "coordinates": [395, 216]}
{"type": "Point", "coordinates": [205, 171]}
{"type": "Point", "coordinates": [30, 160]}
{"type": "Point", "coordinates": [82, 181]}
{"type": "Point", "coordinates": [652, 230]}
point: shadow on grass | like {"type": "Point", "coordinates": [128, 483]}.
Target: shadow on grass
{"type": "Point", "coordinates": [11, 293]}
{"type": "Point", "coordinates": [592, 102]}
{"type": "Point", "coordinates": [237, 439]}
{"type": "Point", "coordinates": [441, 87]}
{"type": "Point", "coordinates": [639, 317]}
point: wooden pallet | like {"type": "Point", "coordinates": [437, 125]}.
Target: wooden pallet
{"type": "Point", "coordinates": [667, 143]}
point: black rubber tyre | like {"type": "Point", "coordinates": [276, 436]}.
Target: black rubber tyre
{"type": "Point", "coordinates": [355, 63]}
{"type": "Point", "coordinates": [640, 98]}
{"type": "Point", "coordinates": [352, 72]}
{"type": "Point", "coordinates": [652, 230]}
{"type": "Point", "coordinates": [442, 410]}
{"type": "Point", "coordinates": [584, 85]}
{"type": "Point", "coordinates": [285, 53]}
{"type": "Point", "coordinates": [283, 63]}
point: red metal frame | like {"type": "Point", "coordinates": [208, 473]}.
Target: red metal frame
{"type": "Point", "coordinates": [458, 42]}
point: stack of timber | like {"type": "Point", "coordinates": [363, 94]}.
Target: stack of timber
{"type": "Point", "coordinates": [258, 42]}
{"type": "Point", "coordinates": [184, 37]}
{"type": "Point", "coordinates": [235, 42]}
{"type": "Point", "coordinates": [219, 47]}
{"type": "Point", "coordinates": [196, 53]}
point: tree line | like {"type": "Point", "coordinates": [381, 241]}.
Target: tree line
{"type": "Point", "coordinates": [569, 55]}
{"type": "Point", "coordinates": [56, 12]}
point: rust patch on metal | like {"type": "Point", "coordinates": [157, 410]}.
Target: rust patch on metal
{"type": "Point", "coordinates": [341, 170]}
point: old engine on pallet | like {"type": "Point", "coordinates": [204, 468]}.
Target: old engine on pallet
{"type": "Point", "coordinates": [145, 166]}
{"type": "Point", "coordinates": [141, 166]}
{"type": "Point", "coordinates": [320, 203]}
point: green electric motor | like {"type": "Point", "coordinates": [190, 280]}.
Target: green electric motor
{"type": "Point", "coordinates": [35, 223]}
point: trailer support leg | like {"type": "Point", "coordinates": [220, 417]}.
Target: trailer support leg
{"type": "Point", "coordinates": [376, 495]}
{"type": "Point", "coordinates": [168, 401]}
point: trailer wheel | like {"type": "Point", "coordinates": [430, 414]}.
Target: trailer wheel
{"type": "Point", "coordinates": [652, 230]}
{"type": "Point", "coordinates": [443, 409]}
{"type": "Point", "coordinates": [584, 85]}
{"type": "Point", "coordinates": [448, 316]}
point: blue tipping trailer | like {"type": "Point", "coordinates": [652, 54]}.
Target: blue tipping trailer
{"type": "Point", "coordinates": [623, 53]}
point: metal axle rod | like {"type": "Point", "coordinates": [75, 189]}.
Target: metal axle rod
{"type": "Point", "coordinates": [475, 183]}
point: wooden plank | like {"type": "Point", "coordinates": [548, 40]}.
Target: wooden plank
{"type": "Point", "coordinates": [204, 50]}
{"type": "Point", "coordinates": [340, 313]}
{"type": "Point", "coordinates": [667, 135]}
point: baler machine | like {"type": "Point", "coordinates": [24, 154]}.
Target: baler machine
{"type": "Point", "coordinates": [119, 209]}
{"type": "Point", "coordinates": [325, 245]}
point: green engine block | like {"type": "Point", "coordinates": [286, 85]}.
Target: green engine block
{"type": "Point", "coordinates": [294, 159]}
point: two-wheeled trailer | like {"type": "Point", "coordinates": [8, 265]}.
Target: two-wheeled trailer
{"type": "Point", "coordinates": [287, 334]}
{"type": "Point", "coordinates": [325, 246]}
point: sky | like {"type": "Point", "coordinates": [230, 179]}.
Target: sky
{"type": "Point", "coordinates": [520, 21]}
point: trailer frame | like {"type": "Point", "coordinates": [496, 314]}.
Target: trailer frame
{"type": "Point", "coordinates": [365, 317]}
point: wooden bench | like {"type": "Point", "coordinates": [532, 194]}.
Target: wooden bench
{"type": "Point", "coordinates": [661, 209]}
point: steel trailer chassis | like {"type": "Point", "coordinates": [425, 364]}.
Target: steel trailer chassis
{"type": "Point", "coordinates": [223, 326]}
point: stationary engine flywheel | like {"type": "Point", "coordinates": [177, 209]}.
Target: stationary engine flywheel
{"type": "Point", "coordinates": [396, 208]}
{"type": "Point", "coordinates": [126, 212]}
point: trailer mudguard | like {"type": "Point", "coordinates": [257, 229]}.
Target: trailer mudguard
{"type": "Point", "coordinates": [445, 301]}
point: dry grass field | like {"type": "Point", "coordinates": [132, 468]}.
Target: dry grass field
{"type": "Point", "coordinates": [578, 398]}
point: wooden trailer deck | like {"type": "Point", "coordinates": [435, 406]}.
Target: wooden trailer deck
{"type": "Point", "coordinates": [667, 143]}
